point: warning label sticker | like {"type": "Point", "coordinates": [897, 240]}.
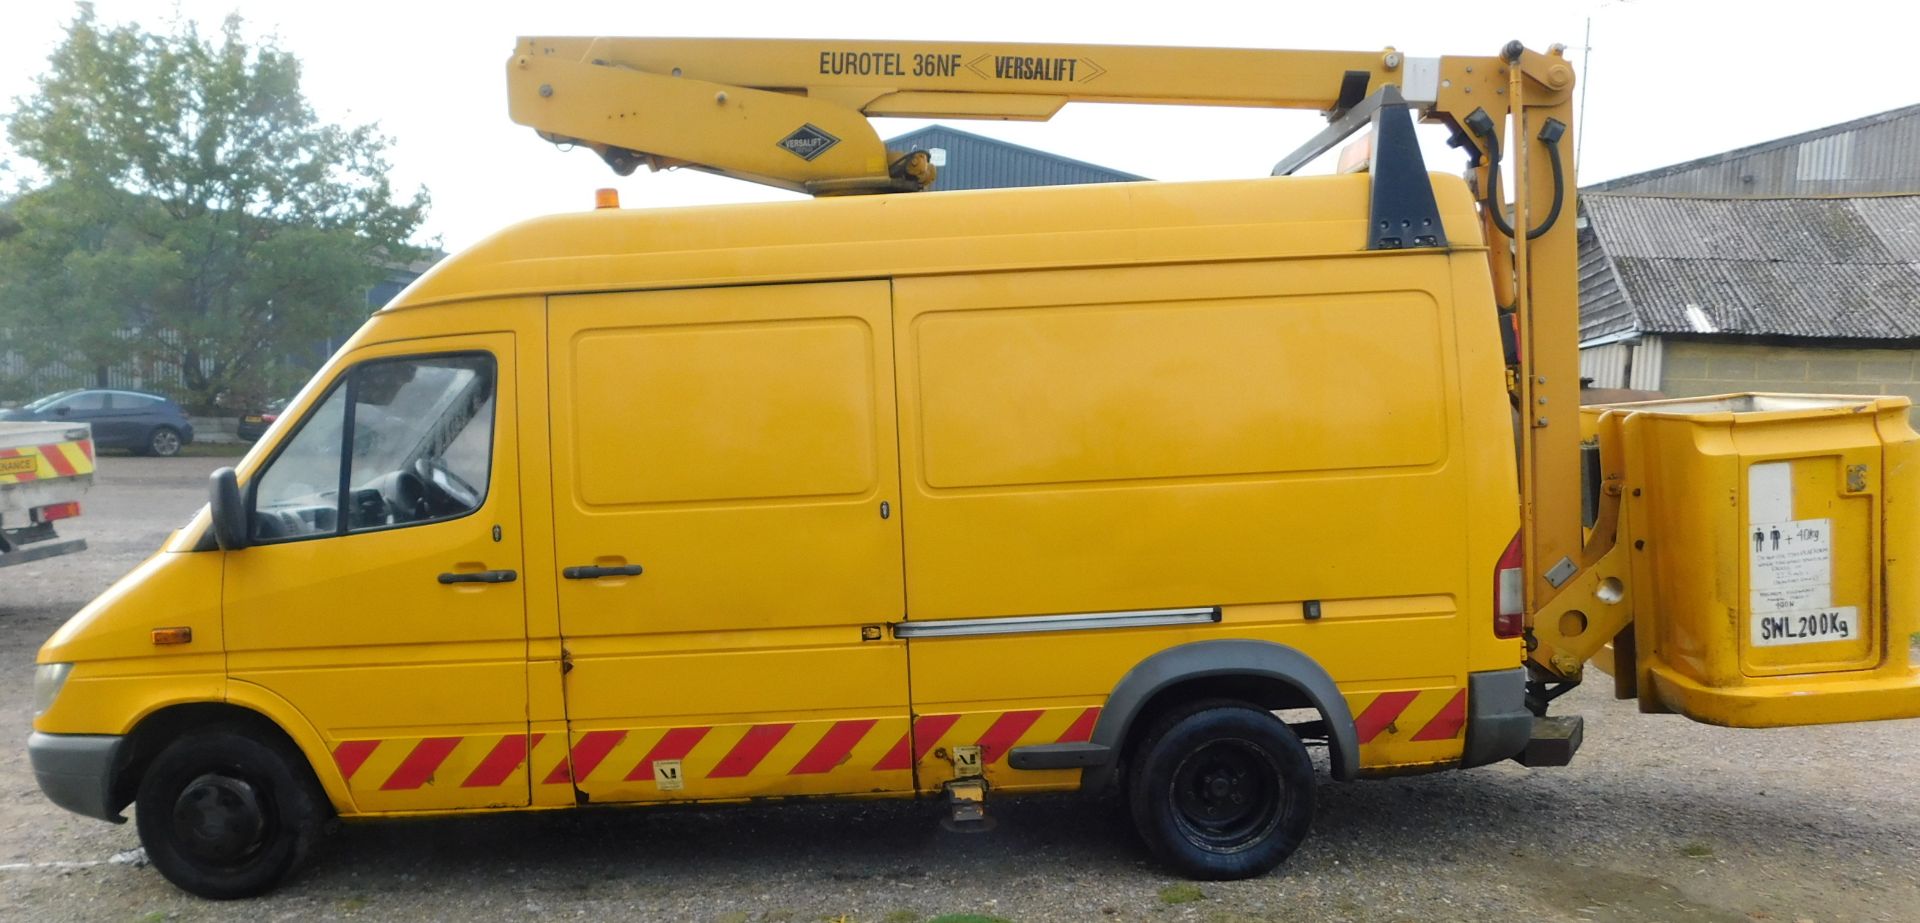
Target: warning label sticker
{"type": "Point", "coordinates": [1841, 623]}
{"type": "Point", "coordinates": [1792, 568]}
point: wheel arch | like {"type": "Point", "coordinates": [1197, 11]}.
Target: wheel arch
{"type": "Point", "coordinates": [1268, 674]}
{"type": "Point", "coordinates": [246, 706]}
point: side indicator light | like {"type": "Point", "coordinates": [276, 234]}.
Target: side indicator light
{"type": "Point", "coordinates": [173, 636]}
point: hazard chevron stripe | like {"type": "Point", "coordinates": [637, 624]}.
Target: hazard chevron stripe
{"type": "Point", "coordinates": [817, 748]}
{"type": "Point", "coordinates": [53, 460]}
{"type": "Point", "coordinates": [675, 745]}
{"type": "Point", "coordinates": [1419, 715]}
{"type": "Point", "coordinates": [763, 750]}
{"type": "Point", "coordinates": [1447, 723]}
{"type": "Point", "coordinates": [834, 748]}
{"type": "Point", "coordinates": [811, 748]}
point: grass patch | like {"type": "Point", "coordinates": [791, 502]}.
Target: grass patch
{"type": "Point", "coordinates": [1185, 892]}
{"type": "Point", "coordinates": [1697, 851]}
{"type": "Point", "coordinates": [215, 449]}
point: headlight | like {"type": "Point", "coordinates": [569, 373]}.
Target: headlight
{"type": "Point", "coordinates": [47, 680]}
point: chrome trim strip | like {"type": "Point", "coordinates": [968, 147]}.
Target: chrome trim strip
{"type": "Point", "coordinates": [1027, 624]}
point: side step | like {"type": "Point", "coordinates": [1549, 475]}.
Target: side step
{"type": "Point", "coordinates": [1552, 743]}
{"type": "Point", "coordinates": [967, 807]}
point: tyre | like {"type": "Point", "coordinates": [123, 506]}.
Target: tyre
{"type": "Point", "coordinates": [1221, 790]}
{"type": "Point", "coordinates": [164, 441]}
{"type": "Point", "coordinates": [223, 815]}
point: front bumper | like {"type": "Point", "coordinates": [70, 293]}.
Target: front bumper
{"type": "Point", "coordinates": [1498, 722]}
{"type": "Point", "coordinates": [76, 771]}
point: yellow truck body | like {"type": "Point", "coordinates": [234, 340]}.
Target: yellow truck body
{"type": "Point", "coordinates": [1129, 487]}
{"type": "Point", "coordinates": [920, 496]}
{"type": "Point", "coordinates": [817, 428]}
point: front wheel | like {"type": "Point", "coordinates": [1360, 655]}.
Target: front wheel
{"type": "Point", "coordinates": [223, 815]}
{"type": "Point", "coordinates": [164, 441]}
{"type": "Point", "coordinates": [1222, 790]}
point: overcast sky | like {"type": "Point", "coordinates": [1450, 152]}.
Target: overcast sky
{"type": "Point", "coordinates": [1667, 80]}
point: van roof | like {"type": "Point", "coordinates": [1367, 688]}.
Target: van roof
{"type": "Point", "coordinates": [879, 236]}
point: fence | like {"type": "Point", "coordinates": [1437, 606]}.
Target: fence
{"type": "Point", "coordinates": [22, 379]}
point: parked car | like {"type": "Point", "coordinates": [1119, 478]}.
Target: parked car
{"type": "Point", "coordinates": [254, 425]}
{"type": "Point", "coordinates": [148, 424]}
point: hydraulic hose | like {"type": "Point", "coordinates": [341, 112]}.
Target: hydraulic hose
{"type": "Point", "coordinates": [1550, 134]}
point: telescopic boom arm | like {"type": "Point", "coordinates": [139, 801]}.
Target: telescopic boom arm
{"type": "Point", "coordinates": [793, 114]}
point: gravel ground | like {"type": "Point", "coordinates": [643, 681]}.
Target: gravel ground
{"type": "Point", "coordinates": [1659, 819]}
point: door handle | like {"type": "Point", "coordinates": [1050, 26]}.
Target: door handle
{"type": "Point", "coordinates": [481, 576]}
{"type": "Point", "coordinates": [595, 571]}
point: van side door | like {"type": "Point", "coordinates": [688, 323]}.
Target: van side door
{"type": "Point", "coordinates": [726, 516]}
{"type": "Point", "coordinates": [381, 594]}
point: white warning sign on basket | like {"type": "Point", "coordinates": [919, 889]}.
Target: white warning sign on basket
{"type": "Point", "coordinates": [1792, 568]}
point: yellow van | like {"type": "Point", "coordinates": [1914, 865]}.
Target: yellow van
{"type": "Point", "coordinates": [1142, 487]}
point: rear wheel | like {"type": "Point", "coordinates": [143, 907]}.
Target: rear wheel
{"type": "Point", "coordinates": [164, 441]}
{"type": "Point", "coordinates": [223, 815]}
{"type": "Point", "coordinates": [1222, 790]}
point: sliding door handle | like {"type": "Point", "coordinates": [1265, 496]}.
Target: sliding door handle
{"type": "Point", "coordinates": [595, 572]}
{"type": "Point", "coordinates": [481, 576]}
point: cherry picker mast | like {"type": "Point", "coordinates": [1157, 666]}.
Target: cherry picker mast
{"type": "Point", "coordinates": [794, 114]}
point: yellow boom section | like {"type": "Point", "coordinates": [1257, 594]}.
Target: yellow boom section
{"type": "Point", "coordinates": [732, 106]}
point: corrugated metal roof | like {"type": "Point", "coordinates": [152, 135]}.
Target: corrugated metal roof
{"type": "Point", "coordinates": [1873, 155]}
{"type": "Point", "coordinates": [978, 162]}
{"type": "Point", "coordinates": [1604, 310]}
{"type": "Point", "coordinates": [1814, 268]}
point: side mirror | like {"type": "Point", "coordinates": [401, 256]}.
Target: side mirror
{"type": "Point", "coordinates": [229, 511]}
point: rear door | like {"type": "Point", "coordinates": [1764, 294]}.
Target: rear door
{"type": "Point", "coordinates": [726, 493]}
{"type": "Point", "coordinates": [124, 420]}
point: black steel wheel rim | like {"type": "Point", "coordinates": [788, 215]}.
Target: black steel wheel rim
{"type": "Point", "coordinates": [220, 820]}
{"type": "Point", "coordinates": [1227, 795]}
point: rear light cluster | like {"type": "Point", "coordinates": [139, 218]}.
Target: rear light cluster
{"type": "Point", "coordinates": [56, 511]}
{"type": "Point", "coordinates": [1509, 592]}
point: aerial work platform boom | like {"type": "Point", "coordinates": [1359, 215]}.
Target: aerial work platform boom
{"type": "Point", "coordinates": [794, 114]}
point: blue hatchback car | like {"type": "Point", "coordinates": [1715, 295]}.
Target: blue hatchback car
{"type": "Point", "coordinates": [146, 423]}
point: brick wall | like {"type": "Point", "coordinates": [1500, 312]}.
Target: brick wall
{"type": "Point", "coordinates": [1696, 367]}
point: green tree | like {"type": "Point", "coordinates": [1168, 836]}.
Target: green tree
{"type": "Point", "coordinates": [191, 211]}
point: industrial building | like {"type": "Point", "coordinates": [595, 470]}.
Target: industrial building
{"type": "Point", "coordinates": [1792, 265]}
{"type": "Point", "coordinates": [969, 161]}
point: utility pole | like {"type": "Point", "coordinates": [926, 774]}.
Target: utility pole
{"type": "Point", "coordinates": [1586, 80]}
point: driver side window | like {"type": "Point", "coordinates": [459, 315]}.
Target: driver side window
{"type": "Point", "coordinates": [398, 442]}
